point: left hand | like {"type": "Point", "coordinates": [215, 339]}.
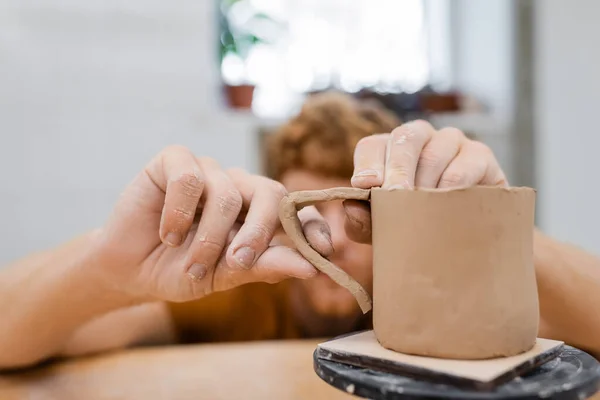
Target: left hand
{"type": "Point", "coordinates": [175, 232]}
{"type": "Point", "coordinates": [417, 155]}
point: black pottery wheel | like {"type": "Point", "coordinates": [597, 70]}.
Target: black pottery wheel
{"type": "Point", "coordinates": [573, 374]}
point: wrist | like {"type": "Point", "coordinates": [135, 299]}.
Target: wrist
{"type": "Point", "coordinates": [95, 272]}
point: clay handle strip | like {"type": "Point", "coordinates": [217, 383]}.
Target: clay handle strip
{"type": "Point", "coordinates": [288, 214]}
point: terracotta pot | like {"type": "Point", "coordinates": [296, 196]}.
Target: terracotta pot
{"type": "Point", "coordinates": [437, 102]}
{"type": "Point", "coordinates": [239, 96]}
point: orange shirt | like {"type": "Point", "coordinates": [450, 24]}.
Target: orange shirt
{"type": "Point", "coordinates": [256, 311]}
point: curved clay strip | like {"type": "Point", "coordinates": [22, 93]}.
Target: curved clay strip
{"type": "Point", "coordinates": [288, 214]}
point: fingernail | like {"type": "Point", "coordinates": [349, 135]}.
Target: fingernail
{"type": "Point", "coordinates": [394, 187]}
{"type": "Point", "coordinates": [327, 235]}
{"type": "Point", "coordinates": [244, 256]}
{"type": "Point", "coordinates": [196, 271]}
{"type": "Point", "coordinates": [362, 177]}
{"type": "Point", "coordinates": [398, 186]}
{"type": "Point", "coordinates": [358, 224]}
{"type": "Point", "coordinates": [173, 239]}
{"type": "Point", "coordinates": [366, 173]}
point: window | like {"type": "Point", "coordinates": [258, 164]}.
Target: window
{"type": "Point", "coordinates": [297, 46]}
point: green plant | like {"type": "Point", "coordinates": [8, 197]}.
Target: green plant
{"type": "Point", "coordinates": [236, 38]}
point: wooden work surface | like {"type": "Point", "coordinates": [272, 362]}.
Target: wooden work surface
{"type": "Point", "coordinates": [261, 370]}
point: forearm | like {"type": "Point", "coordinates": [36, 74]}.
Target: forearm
{"type": "Point", "coordinates": [145, 324]}
{"type": "Point", "coordinates": [568, 281]}
{"type": "Point", "coordinates": [46, 297]}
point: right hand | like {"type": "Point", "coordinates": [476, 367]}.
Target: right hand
{"type": "Point", "coordinates": [179, 230]}
{"type": "Point", "coordinates": [415, 154]}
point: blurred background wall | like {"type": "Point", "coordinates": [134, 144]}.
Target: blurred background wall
{"type": "Point", "coordinates": [91, 90]}
{"type": "Point", "coordinates": [566, 90]}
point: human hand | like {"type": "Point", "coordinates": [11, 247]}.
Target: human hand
{"type": "Point", "coordinates": [417, 155]}
{"type": "Point", "coordinates": [185, 228]}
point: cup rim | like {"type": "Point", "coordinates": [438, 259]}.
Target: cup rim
{"type": "Point", "coordinates": [509, 189]}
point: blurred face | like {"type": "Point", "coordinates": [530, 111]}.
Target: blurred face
{"type": "Point", "coordinates": [325, 297]}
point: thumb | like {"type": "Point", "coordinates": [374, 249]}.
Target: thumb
{"type": "Point", "coordinates": [358, 220]}
{"type": "Point", "coordinates": [275, 264]}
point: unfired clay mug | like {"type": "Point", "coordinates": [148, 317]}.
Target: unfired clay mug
{"type": "Point", "coordinates": [453, 273]}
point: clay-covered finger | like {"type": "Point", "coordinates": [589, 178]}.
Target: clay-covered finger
{"type": "Point", "coordinates": [403, 150]}
{"type": "Point", "coordinates": [176, 172]}
{"type": "Point", "coordinates": [275, 264]}
{"type": "Point", "coordinates": [358, 221]}
{"type": "Point", "coordinates": [316, 230]}
{"type": "Point", "coordinates": [261, 197]}
{"type": "Point", "coordinates": [437, 154]}
{"type": "Point", "coordinates": [468, 168]}
{"type": "Point", "coordinates": [221, 208]}
{"type": "Point", "coordinates": [369, 161]}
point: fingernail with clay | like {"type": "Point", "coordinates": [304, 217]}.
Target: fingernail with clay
{"type": "Point", "coordinates": [244, 256]}
{"type": "Point", "coordinates": [352, 218]}
{"type": "Point", "coordinates": [358, 225]}
{"type": "Point", "coordinates": [173, 239]}
{"type": "Point", "coordinates": [327, 236]}
{"type": "Point", "coordinates": [196, 271]}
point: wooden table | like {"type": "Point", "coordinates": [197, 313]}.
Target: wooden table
{"type": "Point", "coordinates": [261, 370]}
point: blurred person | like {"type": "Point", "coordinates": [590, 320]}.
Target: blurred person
{"type": "Point", "coordinates": [193, 253]}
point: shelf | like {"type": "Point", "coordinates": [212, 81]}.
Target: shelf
{"type": "Point", "coordinates": [479, 124]}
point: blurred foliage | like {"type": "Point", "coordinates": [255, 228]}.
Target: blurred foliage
{"type": "Point", "coordinates": [239, 39]}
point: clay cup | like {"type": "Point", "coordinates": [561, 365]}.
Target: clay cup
{"type": "Point", "coordinates": [453, 273]}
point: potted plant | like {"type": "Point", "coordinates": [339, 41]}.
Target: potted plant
{"type": "Point", "coordinates": [237, 39]}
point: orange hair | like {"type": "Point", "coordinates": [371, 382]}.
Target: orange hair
{"type": "Point", "coordinates": [322, 136]}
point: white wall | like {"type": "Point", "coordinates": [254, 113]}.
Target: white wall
{"type": "Point", "coordinates": [89, 92]}
{"type": "Point", "coordinates": [483, 58]}
{"type": "Point", "coordinates": [567, 119]}
{"type": "Point", "coordinates": [483, 63]}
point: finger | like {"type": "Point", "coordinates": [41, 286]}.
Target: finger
{"type": "Point", "coordinates": [369, 161]}
{"type": "Point", "coordinates": [437, 154]}
{"type": "Point", "coordinates": [274, 265]}
{"type": "Point", "coordinates": [468, 168]}
{"type": "Point", "coordinates": [219, 214]}
{"type": "Point", "coordinates": [494, 175]}
{"type": "Point", "coordinates": [358, 221]}
{"type": "Point", "coordinates": [403, 150]}
{"type": "Point", "coordinates": [176, 172]}
{"type": "Point", "coordinates": [316, 230]}
{"type": "Point", "coordinates": [261, 196]}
